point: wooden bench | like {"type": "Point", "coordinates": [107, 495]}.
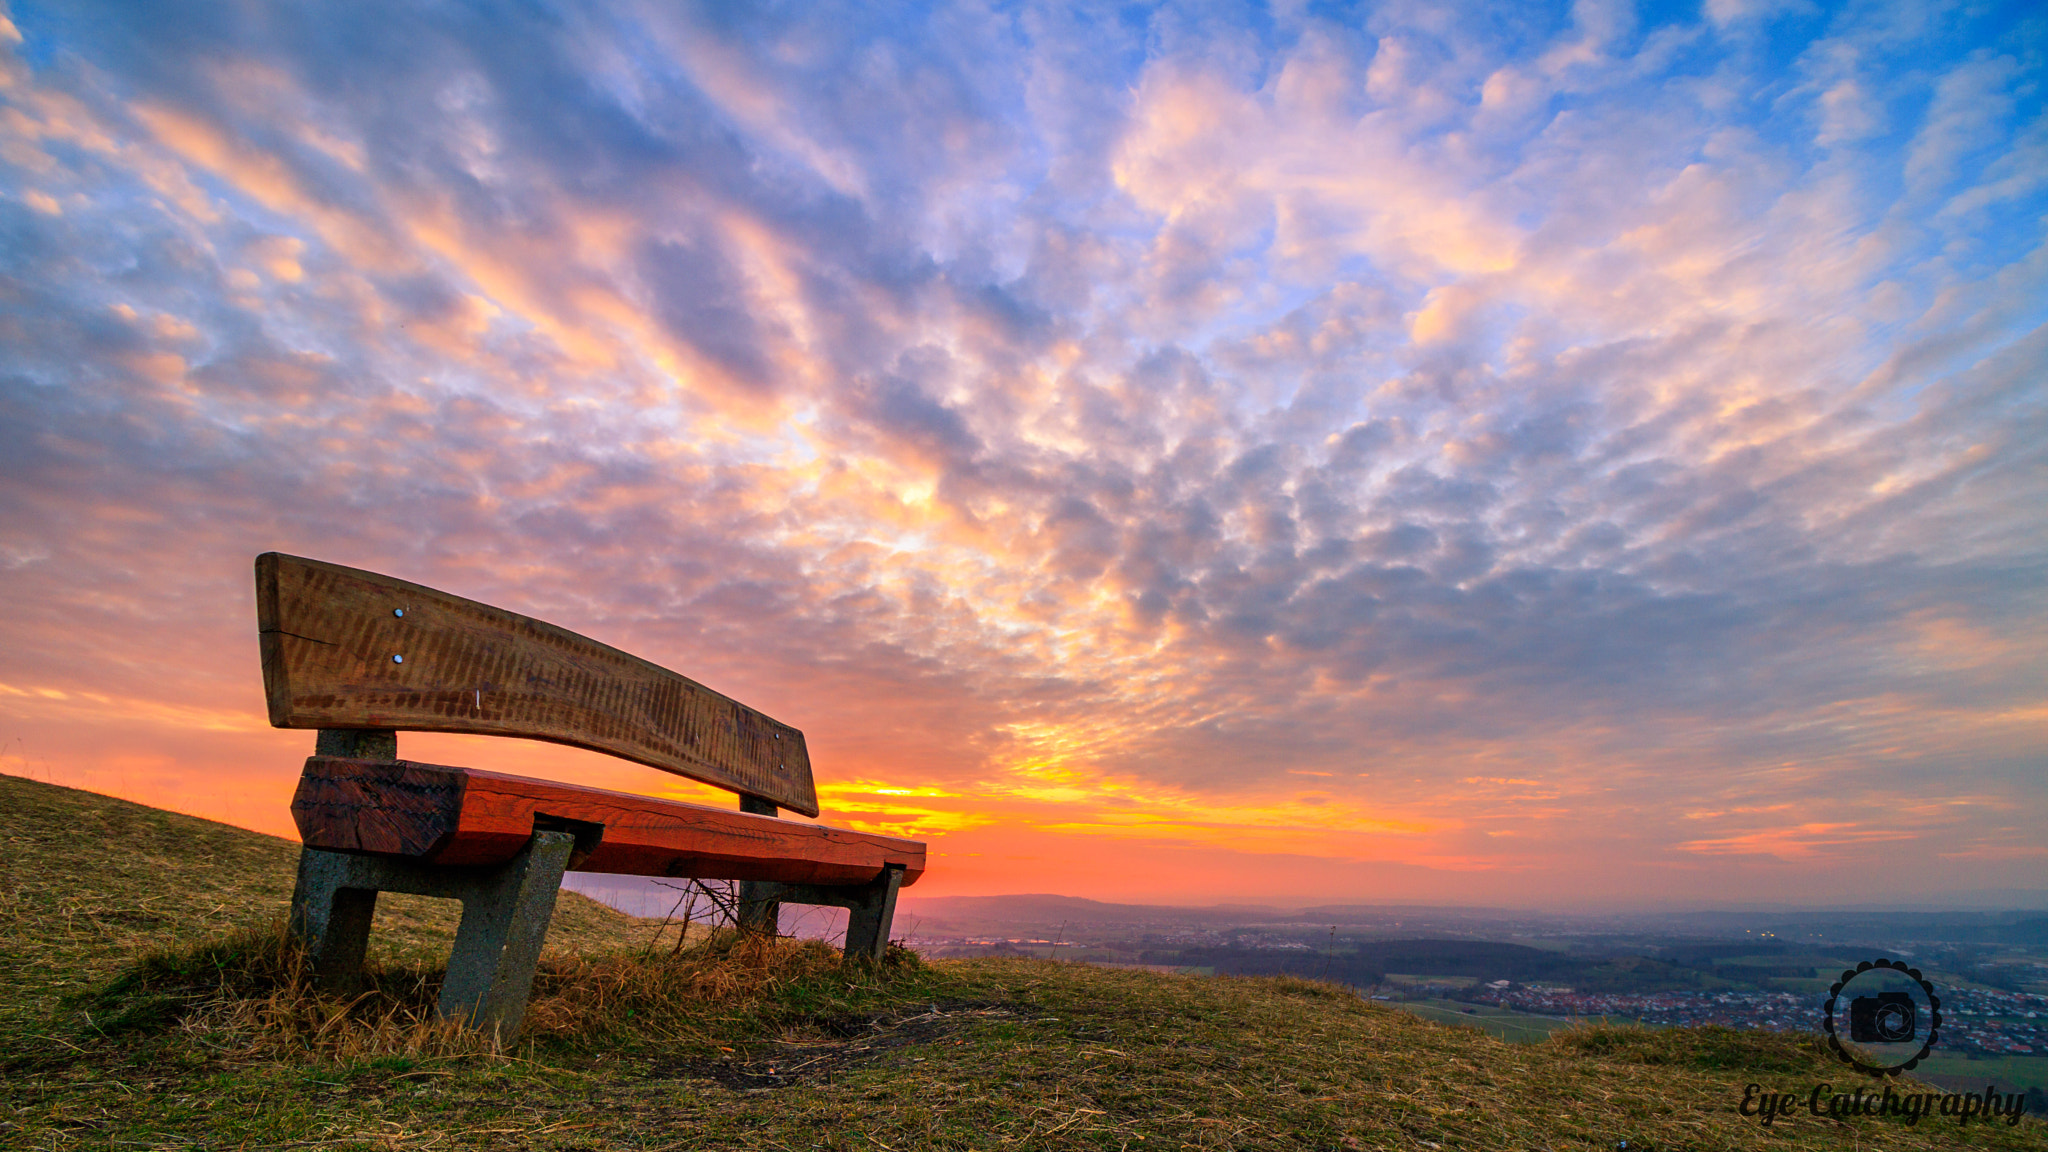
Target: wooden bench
{"type": "Point", "coordinates": [360, 657]}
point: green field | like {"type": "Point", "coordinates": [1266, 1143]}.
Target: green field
{"type": "Point", "coordinates": [1503, 1023]}
{"type": "Point", "coordinates": [2008, 1072]}
{"type": "Point", "coordinates": [1405, 980]}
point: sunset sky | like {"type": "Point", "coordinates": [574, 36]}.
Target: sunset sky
{"type": "Point", "coordinates": [1585, 456]}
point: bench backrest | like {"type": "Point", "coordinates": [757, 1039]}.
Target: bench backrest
{"type": "Point", "coordinates": [348, 649]}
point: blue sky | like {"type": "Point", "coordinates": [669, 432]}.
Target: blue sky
{"type": "Point", "coordinates": [1176, 452]}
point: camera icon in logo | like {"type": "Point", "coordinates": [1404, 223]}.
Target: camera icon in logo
{"type": "Point", "coordinates": [1884, 1013]}
{"type": "Point", "coordinates": [1886, 1018]}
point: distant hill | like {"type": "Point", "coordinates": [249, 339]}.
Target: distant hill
{"type": "Point", "coordinates": [1049, 909]}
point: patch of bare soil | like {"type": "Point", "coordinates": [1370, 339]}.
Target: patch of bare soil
{"type": "Point", "coordinates": [853, 1041]}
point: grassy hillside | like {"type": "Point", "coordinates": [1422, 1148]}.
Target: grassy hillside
{"type": "Point", "coordinates": [105, 906]}
{"type": "Point", "coordinates": [87, 880]}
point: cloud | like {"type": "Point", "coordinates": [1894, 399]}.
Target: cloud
{"type": "Point", "coordinates": [1087, 425]}
{"type": "Point", "coordinates": [1970, 103]}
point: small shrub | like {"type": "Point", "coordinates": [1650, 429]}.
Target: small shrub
{"type": "Point", "coordinates": [1312, 989]}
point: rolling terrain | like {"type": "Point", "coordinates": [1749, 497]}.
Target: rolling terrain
{"type": "Point", "coordinates": [146, 1001]}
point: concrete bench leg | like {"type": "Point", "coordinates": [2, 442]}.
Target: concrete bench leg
{"type": "Point", "coordinates": [759, 909]}
{"type": "Point", "coordinates": [332, 906]}
{"type": "Point", "coordinates": [505, 914]}
{"type": "Point", "coordinates": [871, 907]}
{"type": "Point", "coordinates": [868, 920]}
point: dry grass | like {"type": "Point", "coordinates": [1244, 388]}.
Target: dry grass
{"type": "Point", "coordinates": [248, 995]}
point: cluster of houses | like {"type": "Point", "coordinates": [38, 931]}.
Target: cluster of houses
{"type": "Point", "coordinates": [1774, 1010]}
{"type": "Point", "coordinates": [1973, 1020]}
{"type": "Point", "coordinates": [2007, 1023]}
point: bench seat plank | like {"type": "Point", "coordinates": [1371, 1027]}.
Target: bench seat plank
{"type": "Point", "coordinates": [349, 649]}
{"type": "Point", "coordinates": [466, 816]}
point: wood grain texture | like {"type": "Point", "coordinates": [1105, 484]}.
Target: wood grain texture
{"type": "Point", "coordinates": [465, 816]}
{"type": "Point", "coordinates": [397, 809]}
{"type": "Point", "coordinates": [331, 636]}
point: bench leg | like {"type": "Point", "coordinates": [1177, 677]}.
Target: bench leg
{"type": "Point", "coordinates": [869, 918]}
{"type": "Point", "coordinates": [332, 918]}
{"type": "Point", "coordinates": [759, 910]}
{"type": "Point", "coordinates": [504, 924]}
{"type": "Point", "coordinates": [871, 907]}
{"type": "Point", "coordinates": [505, 915]}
